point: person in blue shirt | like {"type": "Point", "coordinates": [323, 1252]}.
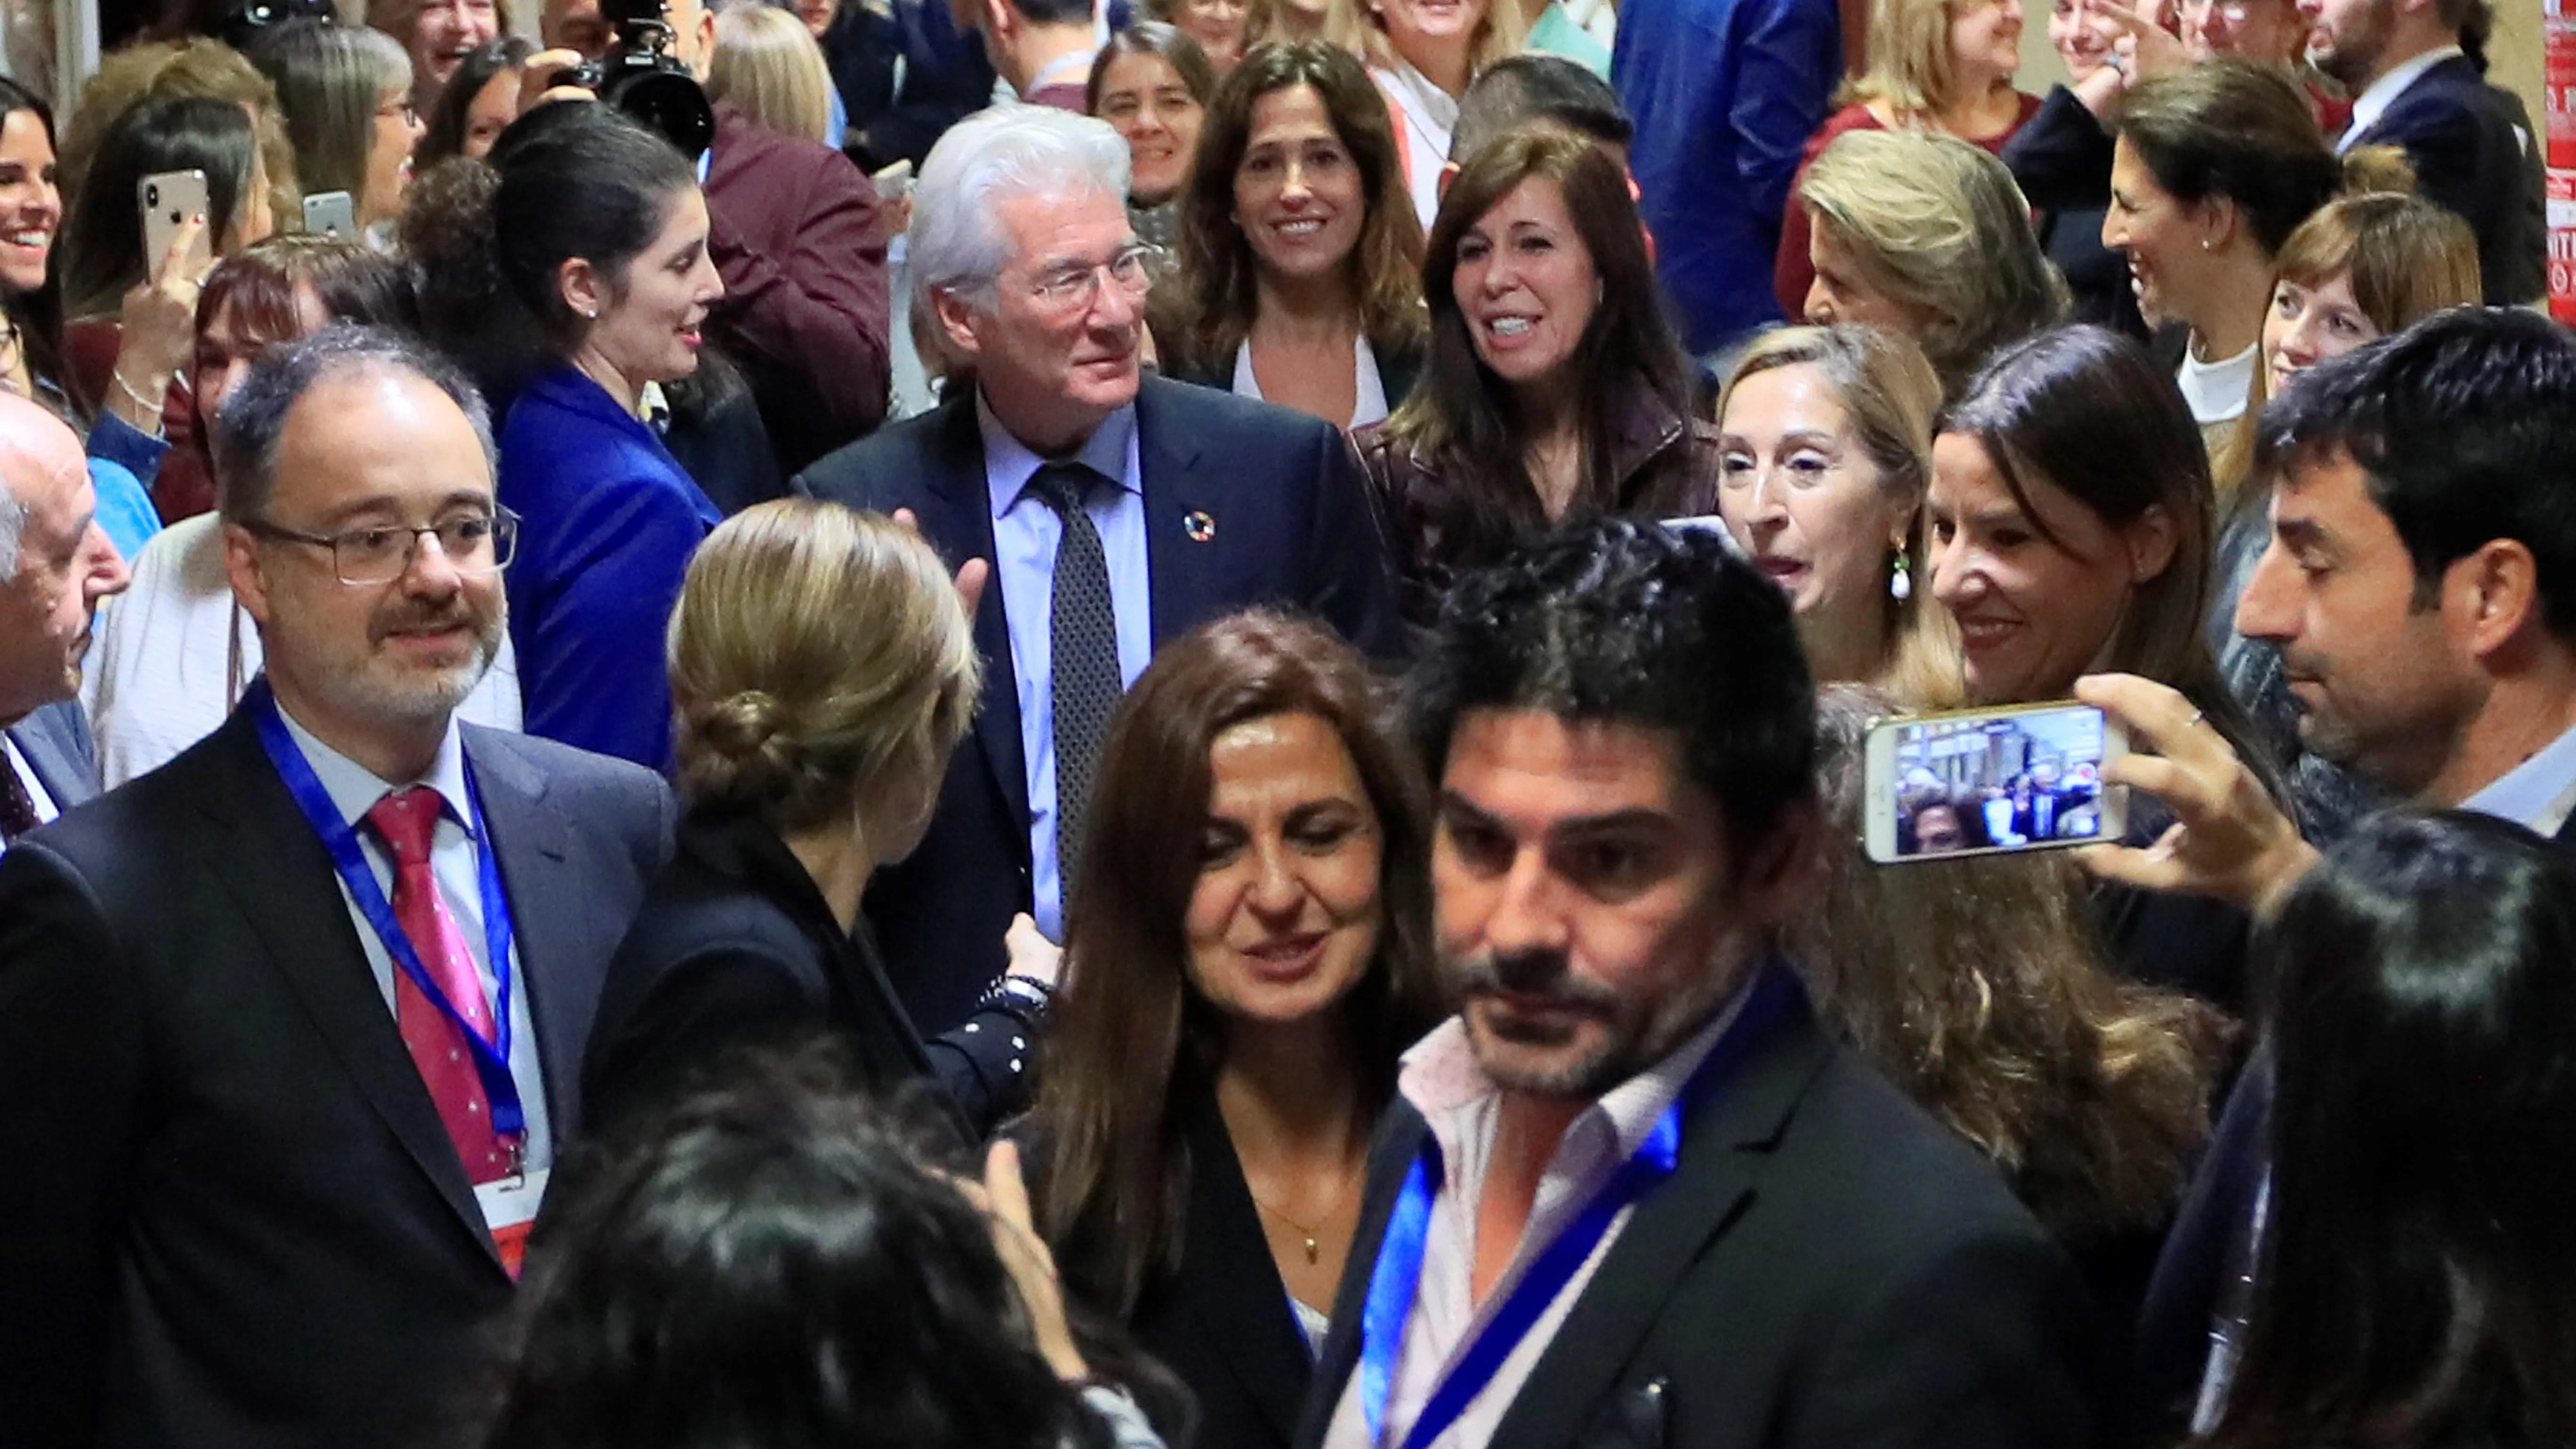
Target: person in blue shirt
{"type": "Point", "coordinates": [600, 231]}
{"type": "Point", "coordinates": [1724, 94]}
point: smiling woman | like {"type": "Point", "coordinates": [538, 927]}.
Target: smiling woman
{"type": "Point", "coordinates": [1152, 83]}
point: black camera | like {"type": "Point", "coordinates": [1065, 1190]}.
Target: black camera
{"type": "Point", "coordinates": [640, 77]}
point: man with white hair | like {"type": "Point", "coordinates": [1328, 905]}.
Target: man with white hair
{"type": "Point", "coordinates": [1117, 510]}
{"type": "Point", "coordinates": [58, 565]}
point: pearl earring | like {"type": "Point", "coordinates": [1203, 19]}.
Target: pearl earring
{"type": "Point", "coordinates": [1900, 579]}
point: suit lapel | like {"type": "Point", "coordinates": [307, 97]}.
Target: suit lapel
{"type": "Point", "coordinates": [963, 502]}
{"type": "Point", "coordinates": [1186, 544]}
{"type": "Point", "coordinates": [55, 742]}
{"type": "Point", "coordinates": [1734, 1119]}
{"type": "Point", "coordinates": [1399, 1141]}
{"type": "Point", "coordinates": [281, 877]}
{"type": "Point", "coordinates": [532, 847]}
{"type": "Point", "coordinates": [1227, 1274]}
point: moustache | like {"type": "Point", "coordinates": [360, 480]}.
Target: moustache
{"type": "Point", "coordinates": [455, 615]}
{"type": "Point", "coordinates": [1543, 978]}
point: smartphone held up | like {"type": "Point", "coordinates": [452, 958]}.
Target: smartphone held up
{"type": "Point", "coordinates": [1991, 781]}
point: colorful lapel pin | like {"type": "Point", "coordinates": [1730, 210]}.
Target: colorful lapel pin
{"type": "Point", "coordinates": [1201, 527]}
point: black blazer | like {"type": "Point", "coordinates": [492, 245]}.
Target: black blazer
{"type": "Point", "coordinates": [233, 1217]}
{"type": "Point", "coordinates": [56, 743]}
{"type": "Point", "coordinates": [1245, 504]}
{"type": "Point", "coordinates": [2061, 159]}
{"type": "Point", "coordinates": [1827, 1267]}
{"type": "Point", "coordinates": [1222, 1323]}
{"type": "Point", "coordinates": [737, 946]}
{"type": "Point", "coordinates": [2473, 151]}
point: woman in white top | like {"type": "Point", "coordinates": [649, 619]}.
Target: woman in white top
{"type": "Point", "coordinates": [1422, 54]}
{"type": "Point", "coordinates": [173, 653]}
{"type": "Point", "coordinates": [2215, 165]}
{"type": "Point", "coordinates": [1300, 270]}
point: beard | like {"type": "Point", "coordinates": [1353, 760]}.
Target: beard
{"type": "Point", "coordinates": [368, 683]}
{"type": "Point", "coordinates": [1537, 1027]}
{"type": "Point", "coordinates": [2352, 52]}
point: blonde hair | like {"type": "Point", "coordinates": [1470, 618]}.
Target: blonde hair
{"type": "Point", "coordinates": [1892, 396]}
{"type": "Point", "coordinates": [1911, 71]}
{"type": "Point", "coordinates": [816, 654]}
{"type": "Point", "coordinates": [193, 67]}
{"type": "Point", "coordinates": [768, 66]}
{"type": "Point", "coordinates": [1353, 26]}
{"type": "Point", "coordinates": [1938, 224]}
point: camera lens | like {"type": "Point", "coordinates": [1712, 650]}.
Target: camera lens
{"type": "Point", "coordinates": [152, 196]}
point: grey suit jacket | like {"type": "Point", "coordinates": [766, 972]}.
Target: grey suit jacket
{"type": "Point", "coordinates": [56, 743]}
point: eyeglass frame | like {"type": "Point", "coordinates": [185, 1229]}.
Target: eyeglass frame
{"type": "Point", "coordinates": [504, 523]}
{"type": "Point", "coordinates": [1083, 290]}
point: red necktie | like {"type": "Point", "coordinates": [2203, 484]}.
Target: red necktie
{"type": "Point", "coordinates": [405, 820]}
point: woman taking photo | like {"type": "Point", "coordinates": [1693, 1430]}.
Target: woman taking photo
{"type": "Point", "coordinates": [1926, 236]}
{"type": "Point", "coordinates": [2069, 523]}
{"type": "Point", "coordinates": [1554, 385]}
{"type": "Point", "coordinates": [2415, 1285]}
{"type": "Point", "coordinates": [600, 232]}
{"type": "Point", "coordinates": [1422, 54]}
{"type": "Point", "coordinates": [1153, 84]}
{"type": "Point", "coordinates": [1249, 952]}
{"type": "Point", "coordinates": [2214, 166]}
{"type": "Point", "coordinates": [1934, 65]}
{"type": "Point", "coordinates": [346, 94]}
{"type": "Point", "coordinates": [1824, 448]}
{"type": "Point", "coordinates": [1300, 261]}
{"type": "Point", "coordinates": [822, 669]}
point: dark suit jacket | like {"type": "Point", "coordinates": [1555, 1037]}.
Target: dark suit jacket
{"type": "Point", "coordinates": [2472, 149]}
{"type": "Point", "coordinates": [793, 228]}
{"type": "Point", "coordinates": [233, 1218]}
{"type": "Point", "coordinates": [1291, 527]}
{"type": "Point", "coordinates": [1827, 1267]}
{"type": "Point", "coordinates": [58, 748]}
{"type": "Point", "coordinates": [736, 947]}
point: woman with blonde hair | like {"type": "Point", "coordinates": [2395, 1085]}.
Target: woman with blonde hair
{"type": "Point", "coordinates": [1976, 986]}
{"type": "Point", "coordinates": [1934, 65]}
{"type": "Point", "coordinates": [768, 66]}
{"type": "Point", "coordinates": [1422, 54]}
{"type": "Point", "coordinates": [822, 669]}
{"type": "Point", "coordinates": [1926, 235]}
{"type": "Point", "coordinates": [1824, 450]}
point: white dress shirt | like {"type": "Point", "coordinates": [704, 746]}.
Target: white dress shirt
{"type": "Point", "coordinates": [1368, 403]}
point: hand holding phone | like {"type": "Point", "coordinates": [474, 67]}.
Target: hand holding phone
{"type": "Point", "coordinates": [2229, 839]}
{"type": "Point", "coordinates": [1991, 781]}
{"type": "Point", "coordinates": [168, 200]}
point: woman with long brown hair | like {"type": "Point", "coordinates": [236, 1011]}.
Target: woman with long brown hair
{"type": "Point", "coordinates": [1299, 253]}
{"type": "Point", "coordinates": [1554, 386]}
{"type": "Point", "coordinates": [1248, 950]}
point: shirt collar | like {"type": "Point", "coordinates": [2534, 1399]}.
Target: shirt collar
{"type": "Point", "coordinates": [1009, 464]}
{"type": "Point", "coordinates": [354, 789]}
{"type": "Point", "coordinates": [2535, 794]}
{"type": "Point", "coordinates": [1435, 105]}
{"type": "Point", "coordinates": [2379, 95]}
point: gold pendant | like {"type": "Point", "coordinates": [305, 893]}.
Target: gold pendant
{"type": "Point", "coordinates": [1310, 1250]}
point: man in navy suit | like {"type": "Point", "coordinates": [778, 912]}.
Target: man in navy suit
{"type": "Point", "coordinates": [59, 564]}
{"type": "Point", "coordinates": [289, 1027]}
{"type": "Point", "coordinates": [2413, 86]}
{"type": "Point", "coordinates": [1115, 510]}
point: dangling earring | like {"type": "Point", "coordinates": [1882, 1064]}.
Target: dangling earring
{"type": "Point", "coordinates": [1900, 579]}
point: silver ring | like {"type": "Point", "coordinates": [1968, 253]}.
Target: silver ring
{"type": "Point", "coordinates": [2196, 717]}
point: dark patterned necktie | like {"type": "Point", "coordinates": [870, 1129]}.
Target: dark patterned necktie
{"type": "Point", "coordinates": [17, 807]}
{"type": "Point", "coordinates": [1082, 641]}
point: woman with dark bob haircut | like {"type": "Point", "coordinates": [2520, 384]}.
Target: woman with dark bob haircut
{"type": "Point", "coordinates": [789, 1262]}
{"type": "Point", "coordinates": [1300, 252]}
{"type": "Point", "coordinates": [2416, 1283]}
{"type": "Point", "coordinates": [1248, 951]}
{"type": "Point", "coordinates": [1554, 386]}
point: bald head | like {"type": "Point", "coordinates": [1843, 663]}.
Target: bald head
{"type": "Point", "coordinates": [36, 448]}
{"type": "Point", "coordinates": [55, 561]}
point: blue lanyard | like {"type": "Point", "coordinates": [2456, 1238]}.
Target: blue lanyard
{"type": "Point", "coordinates": [1397, 1274]}
{"type": "Point", "coordinates": [491, 1058]}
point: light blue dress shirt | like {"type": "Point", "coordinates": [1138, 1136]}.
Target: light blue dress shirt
{"type": "Point", "coordinates": [2538, 794]}
{"type": "Point", "coordinates": [454, 862]}
{"type": "Point", "coordinates": [1025, 533]}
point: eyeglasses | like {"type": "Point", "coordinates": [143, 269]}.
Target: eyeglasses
{"type": "Point", "coordinates": [404, 108]}
{"type": "Point", "coordinates": [476, 544]}
{"type": "Point", "coordinates": [1077, 284]}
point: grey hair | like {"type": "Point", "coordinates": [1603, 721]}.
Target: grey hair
{"type": "Point", "coordinates": [14, 513]}
{"type": "Point", "coordinates": [998, 153]}
{"type": "Point", "coordinates": [252, 426]}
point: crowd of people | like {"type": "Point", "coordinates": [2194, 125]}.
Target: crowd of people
{"type": "Point", "coordinates": [1041, 723]}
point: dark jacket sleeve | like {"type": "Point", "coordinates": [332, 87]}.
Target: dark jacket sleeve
{"type": "Point", "coordinates": [72, 1089]}
{"type": "Point", "coordinates": [722, 997]}
{"type": "Point", "coordinates": [2062, 158]}
{"type": "Point", "coordinates": [1349, 582]}
{"type": "Point", "coordinates": [946, 78]}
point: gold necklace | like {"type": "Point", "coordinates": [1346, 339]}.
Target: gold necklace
{"type": "Point", "coordinates": [1331, 1209]}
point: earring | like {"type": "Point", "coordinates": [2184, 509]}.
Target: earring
{"type": "Point", "coordinates": [1900, 579]}
{"type": "Point", "coordinates": [2205, 245]}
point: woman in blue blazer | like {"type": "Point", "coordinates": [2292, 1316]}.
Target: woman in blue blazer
{"type": "Point", "coordinates": [600, 231]}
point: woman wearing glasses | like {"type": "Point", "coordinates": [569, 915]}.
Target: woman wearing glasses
{"type": "Point", "coordinates": [346, 94]}
{"type": "Point", "coordinates": [600, 232]}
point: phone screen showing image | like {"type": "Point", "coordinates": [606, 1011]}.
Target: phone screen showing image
{"type": "Point", "coordinates": [2020, 780]}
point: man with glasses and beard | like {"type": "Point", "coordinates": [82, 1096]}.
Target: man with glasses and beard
{"type": "Point", "coordinates": [290, 1027]}
{"type": "Point", "coordinates": [1632, 1194]}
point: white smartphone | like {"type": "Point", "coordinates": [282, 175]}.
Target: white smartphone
{"type": "Point", "coordinates": [167, 199]}
{"type": "Point", "coordinates": [1991, 782]}
{"type": "Point", "coordinates": [331, 213]}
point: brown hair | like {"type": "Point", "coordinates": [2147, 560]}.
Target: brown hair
{"type": "Point", "coordinates": [1126, 1025]}
{"type": "Point", "coordinates": [1163, 41]}
{"type": "Point", "coordinates": [1459, 420]}
{"type": "Point", "coordinates": [193, 67]}
{"type": "Point", "coordinates": [1911, 70]}
{"type": "Point", "coordinates": [1977, 986]}
{"type": "Point", "coordinates": [1217, 293]}
{"type": "Point", "coordinates": [817, 655]}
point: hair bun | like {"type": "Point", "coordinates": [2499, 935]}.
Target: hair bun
{"type": "Point", "coordinates": [743, 725]}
